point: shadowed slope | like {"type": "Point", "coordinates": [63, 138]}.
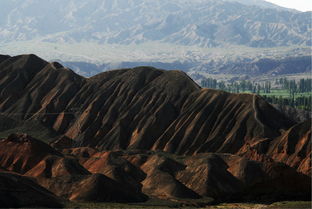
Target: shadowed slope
{"type": "Point", "coordinates": [18, 191]}
{"type": "Point", "coordinates": [224, 177]}
{"type": "Point", "coordinates": [128, 104]}
{"type": "Point", "coordinates": [293, 148]}
{"type": "Point", "coordinates": [31, 86]}
{"type": "Point", "coordinates": [160, 180]}
{"type": "Point", "coordinates": [84, 174]}
{"type": "Point", "coordinates": [139, 108]}
{"type": "Point", "coordinates": [3, 58]}
{"type": "Point", "coordinates": [116, 168]}
{"type": "Point", "coordinates": [100, 188]}
{"type": "Point", "coordinates": [15, 75]}
{"type": "Point", "coordinates": [21, 153]}
{"type": "Point", "coordinates": [55, 166]}
{"type": "Point", "coordinates": [63, 175]}
{"type": "Point", "coordinates": [216, 121]}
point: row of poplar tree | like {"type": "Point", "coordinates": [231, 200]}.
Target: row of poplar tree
{"type": "Point", "coordinates": [293, 87]}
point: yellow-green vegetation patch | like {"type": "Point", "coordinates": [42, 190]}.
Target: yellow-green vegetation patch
{"type": "Point", "coordinates": [276, 205]}
{"type": "Point", "coordinates": [292, 204]}
{"type": "Point", "coordinates": [151, 203]}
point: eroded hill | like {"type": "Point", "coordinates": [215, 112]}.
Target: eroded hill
{"type": "Point", "coordinates": [140, 108]}
{"type": "Point", "coordinates": [224, 146]}
{"type": "Point", "coordinates": [89, 175]}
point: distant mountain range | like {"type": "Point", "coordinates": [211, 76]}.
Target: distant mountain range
{"type": "Point", "coordinates": [197, 36]}
{"type": "Point", "coordinates": [243, 68]}
{"type": "Point", "coordinates": [203, 23]}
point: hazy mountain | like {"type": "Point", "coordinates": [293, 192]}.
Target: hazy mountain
{"type": "Point", "coordinates": [197, 36]}
{"type": "Point", "coordinates": [205, 23]}
{"type": "Point", "coordinates": [255, 68]}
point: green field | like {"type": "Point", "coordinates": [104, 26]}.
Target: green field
{"type": "Point", "coordinates": [284, 93]}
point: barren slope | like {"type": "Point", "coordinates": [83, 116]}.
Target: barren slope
{"type": "Point", "coordinates": [229, 147]}
{"type": "Point", "coordinates": [135, 176]}
{"type": "Point", "coordinates": [140, 108]}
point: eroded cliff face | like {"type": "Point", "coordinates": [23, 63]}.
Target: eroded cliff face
{"type": "Point", "coordinates": [19, 153]}
{"type": "Point", "coordinates": [140, 108]}
{"type": "Point", "coordinates": [293, 148]}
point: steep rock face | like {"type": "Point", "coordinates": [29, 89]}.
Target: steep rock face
{"type": "Point", "coordinates": [116, 168]}
{"type": "Point", "coordinates": [140, 108]}
{"type": "Point", "coordinates": [293, 148]}
{"type": "Point", "coordinates": [20, 152]}
{"type": "Point", "coordinates": [160, 179]}
{"type": "Point", "coordinates": [202, 173]}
